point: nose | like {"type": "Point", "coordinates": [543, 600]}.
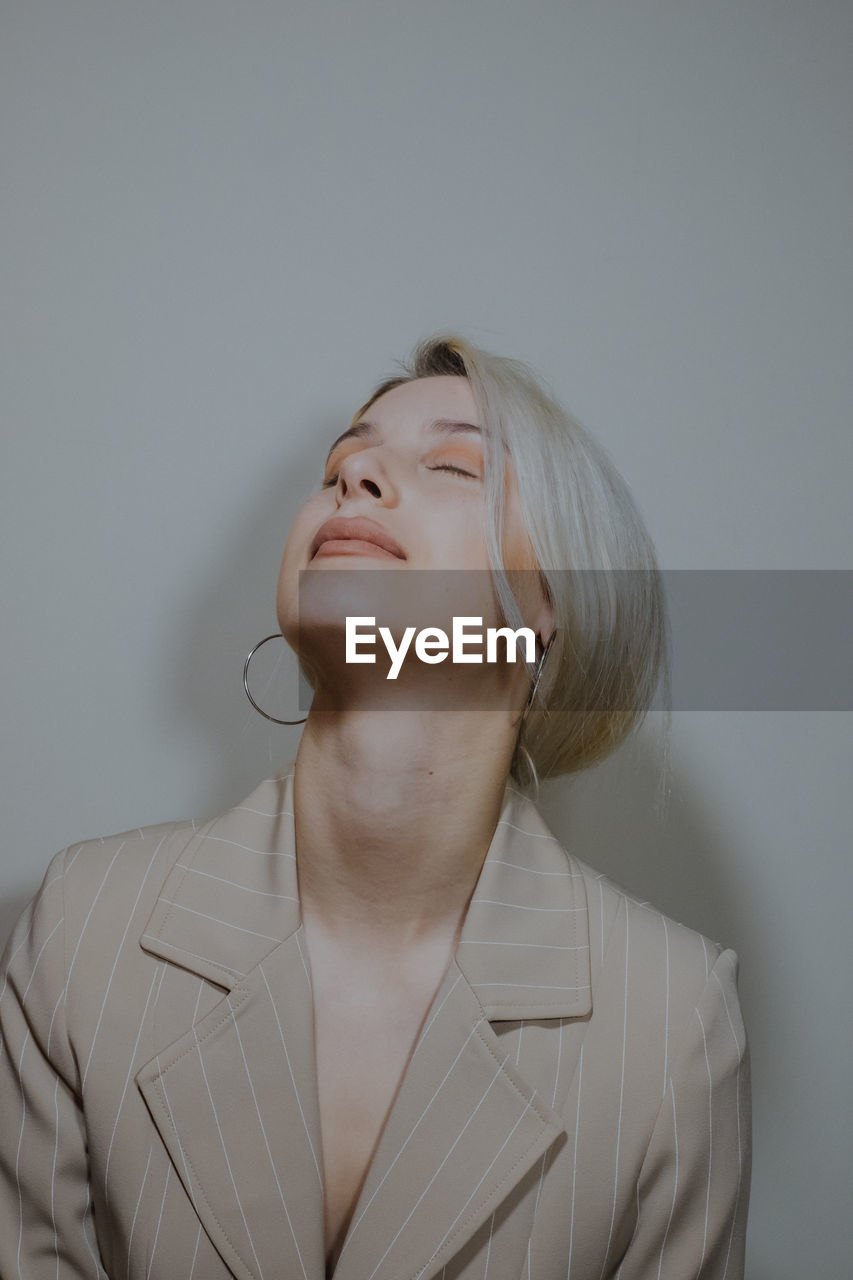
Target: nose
{"type": "Point", "coordinates": [365, 471]}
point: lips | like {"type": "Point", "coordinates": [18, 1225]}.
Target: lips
{"type": "Point", "coordinates": [356, 528]}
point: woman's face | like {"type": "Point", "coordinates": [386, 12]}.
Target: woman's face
{"type": "Point", "coordinates": [413, 466]}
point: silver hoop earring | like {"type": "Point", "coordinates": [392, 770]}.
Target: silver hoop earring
{"type": "Point", "coordinates": [532, 694]}
{"type": "Point", "coordinates": [276, 636]}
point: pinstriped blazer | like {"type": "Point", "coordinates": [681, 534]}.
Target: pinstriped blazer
{"type": "Point", "coordinates": [576, 1106]}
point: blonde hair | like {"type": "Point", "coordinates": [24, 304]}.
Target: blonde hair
{"type": "Point", "coordinates": [597, 560]}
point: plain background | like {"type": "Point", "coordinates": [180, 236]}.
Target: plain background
{"type": "Point", "coordinates": [222, 223]}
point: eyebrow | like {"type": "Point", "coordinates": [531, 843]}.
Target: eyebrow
{"type": "Point", "coordinates": [367, 430]}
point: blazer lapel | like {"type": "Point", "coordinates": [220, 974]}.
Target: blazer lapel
{"type": "Point", "coordinates": [235, 1096]}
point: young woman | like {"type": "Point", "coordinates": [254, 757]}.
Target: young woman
{"type": "Point", "coordinates": [375, 1022]}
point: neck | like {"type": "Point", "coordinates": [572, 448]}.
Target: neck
{"type": "Point", "coordinates": [394, 812]}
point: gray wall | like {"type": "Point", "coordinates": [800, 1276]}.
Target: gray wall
{"type": "Point", "coordinates": [223, 222]}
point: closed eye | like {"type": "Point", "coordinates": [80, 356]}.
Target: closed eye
{"type": "Point", "coordinates": [443, 466]}
{"type": "Point", "coordinates": [448, 466]}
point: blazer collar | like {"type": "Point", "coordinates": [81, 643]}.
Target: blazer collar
{"type": "Point", "coordinates": [232, 897]}
{"type": "Point", "coordinates": [234, 1097]}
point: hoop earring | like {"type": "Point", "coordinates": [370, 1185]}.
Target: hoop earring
{"type": "Point", "coordinates": [532, 693]}
{"type": "Point", "coordinates": [276, 636]}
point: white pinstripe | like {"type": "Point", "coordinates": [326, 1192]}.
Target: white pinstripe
{"type": "Point", "coordinates": [447, 1156]}
{"type": "Point", "coordinates": [18, 1154]}
{"type": "Point", "coordinates": [536, 1207]}
{"type": "Point", "coordinates": [674, 1181]}
{"type": "Point", "coordinates": [292, 1077]}
{"type": "Point", "coordinates": [707, 1066]}
{"type": "Point", "coordinates": [545, 1153]}
{"type": "Point", "coordinates": [216, 920]}
{"type": "Point", "coordinates": [282, 813]}
{"type": "Point", "coordinates": [267, 1142]}
{"type": "Point", "coordinates": [302, 957]}
{"type": "Point", "coordinates": [524, 906]}
{"type": "Point", "coordinates": [195, 1252]}
{"type": "Point", "coordinates": [423, 1036]}
{"type": "Point", "coordinates": [124, 1090]}
{"type": "Point", "coordinates": [265, 853]}
{"type": "Point", "coordinates": [621, 1093]}
{"type": "Point", "coordinates": [601, 913]}
{"type": "Point", "coordinates": [710, 1138]}
{"type": "Point", "coordinates": [53, 1171]}
{"type": "Point", "coordinates": [159, 987]}
{"type": "Point", "coordinates": [666, 1024]}
{"type": "Point", "coordinates": [159, 1218]}
{"type": "Point", "coordinates": [633, 1234]}
{"type": "Point", "coordinates": [486, 1172]}
{"type": "Point", "coordinates": [168, 1103]}
{"type": "Point", "coordinates": [533, 871]}
{"type": "Point", "coordinates": [91, 1245]}
{"type": "Point", "coordinates": [130, 919]}
{"type": "Point", "coordinates": [39, 956]}
{"type": "Point", "coordinates": [60, 875]}
{"type": "Point", "coordinates": [225, 1153]}
{"type": "Point", "coordinates": [531, 835]}
{"type": "Point", "coordinates": [488, 1247]}
{"type": "Point", "coordinates": [540, 946]}
{"type": "Point", "coordinates": [539, 986]}
{"type": "Point", "coordinates": [575, 1164]}
{"type": "Point", "coordinates": [89, 913]}
{"type": "Point", "coordinates": [29, 930]}
{"type": "Point", "coordinates": [198, 999]}
{"type": "Point", "coordinates": [138, 1203]}
{"type": "Point", "coordinates": [60, 1000]}
{"type": "Point", "coordinates": [67, 867]}
{"type": "Point", "coordinates": [737, 1113]}
{"type": "Point", "coordinates": [263, 893]}
{"type": "Point", "coordinates": [559, 1062]}
{"type": "Point", "coordinates": [386, 1175]}
{"type": "Point", "coordinates": [24, 1099]}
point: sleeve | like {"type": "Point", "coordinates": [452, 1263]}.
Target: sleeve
{"type": "Point", "coordinates": [46, 1214]}
{"type": "Point", "coordinates": [693, 1189]}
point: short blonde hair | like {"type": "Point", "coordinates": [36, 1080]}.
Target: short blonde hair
{"type": "Point", "coordinates": [611, 647]}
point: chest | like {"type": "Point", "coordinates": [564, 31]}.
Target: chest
{"type": "Point", "coordinates": [364, 1034]}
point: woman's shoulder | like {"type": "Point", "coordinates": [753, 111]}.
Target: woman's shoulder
{"type": "Point", "coordinates": [636, 944]}
{"type": "Point", "coordinates": [80, 919]}
{"type": "Point", "coordinates": [104, 878]}
{"type": "Point", "coordinates": [99, 893]}
{"type": "Point", "coordinates": [636, 951]}
{"type": "Point", "coordinates": [119, 867]}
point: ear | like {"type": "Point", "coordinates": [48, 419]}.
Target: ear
{"type": "Point", "coordinates": [544, 618]}
{"type": "Point", "coordinates": [544, 638]}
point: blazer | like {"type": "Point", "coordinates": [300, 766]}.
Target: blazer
{"type": "Point", "coordinates": [576, 1106]}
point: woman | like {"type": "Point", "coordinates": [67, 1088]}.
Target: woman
{"type": "Point", "coordinates": [374, 1021]}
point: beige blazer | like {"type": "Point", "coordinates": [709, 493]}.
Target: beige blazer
{"type": "Point", "coordinates": [576, 1107]}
